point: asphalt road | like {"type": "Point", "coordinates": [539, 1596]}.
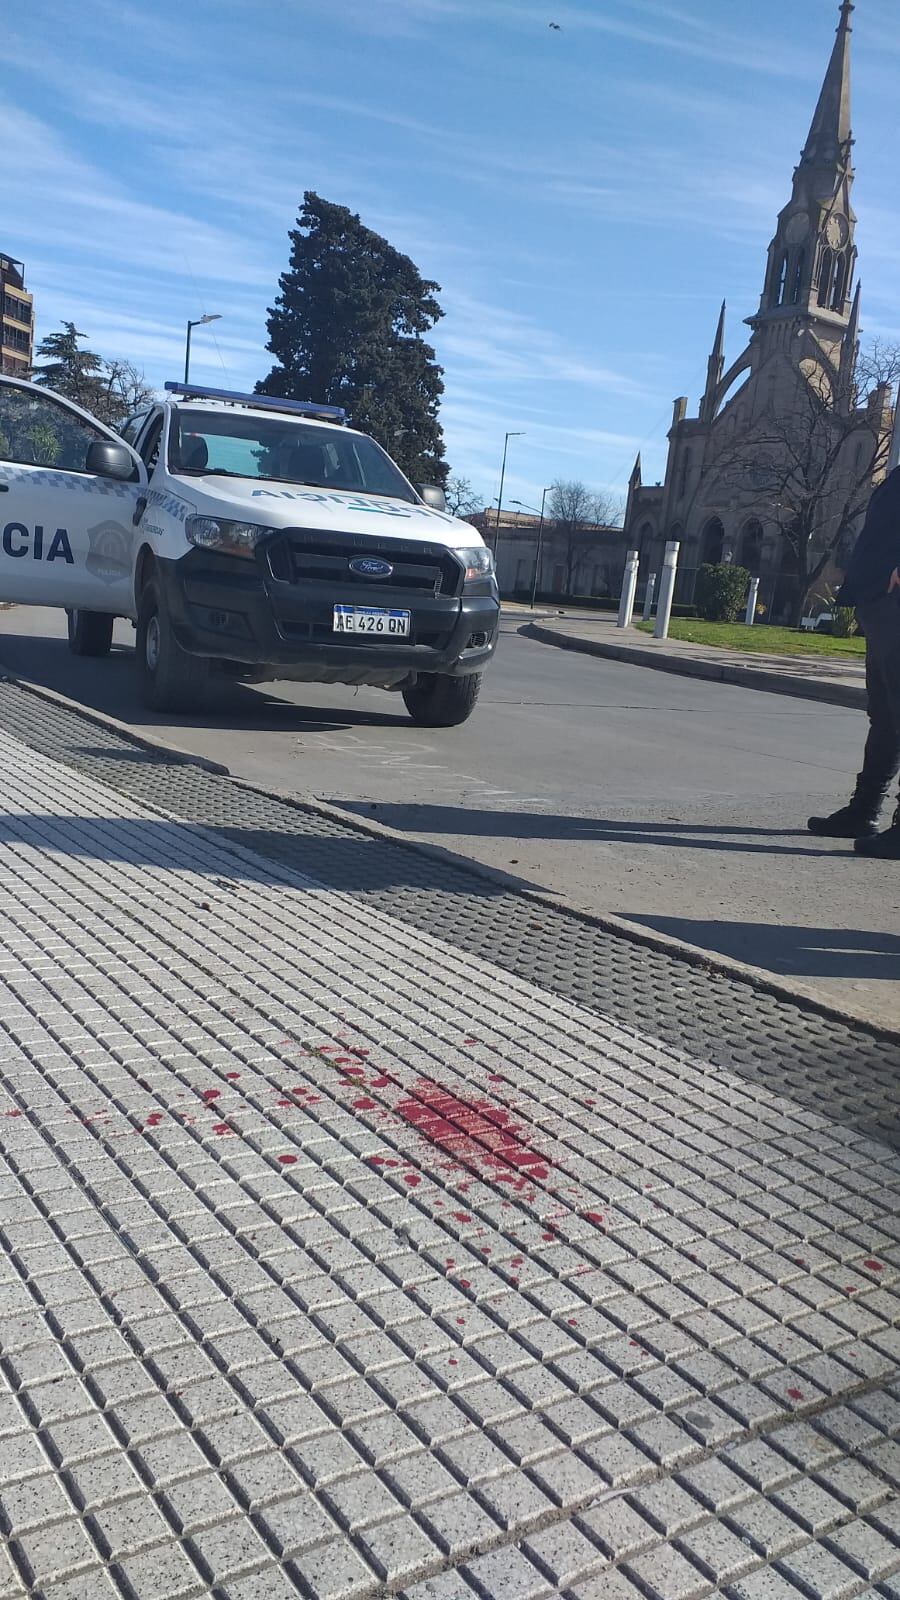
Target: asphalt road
{"type": "Point", "coordinates": [676, 803]}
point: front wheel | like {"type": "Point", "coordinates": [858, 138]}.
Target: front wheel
{"type": "Point", "coordinates": [171, 680]}
{"type": "Point", "coordinates": [90, 632]}
{"type": "Point", "coordinates": [439, 701]}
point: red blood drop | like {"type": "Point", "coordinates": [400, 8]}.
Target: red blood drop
{"type": "Point", "coordinates": [795, 1394]}
{"type": "Point", "coordinates": [549, 1237]}
{"type": "Point", "coordinates": [364, 1105]}
{"type": "Point", "coordinates": [222, 1127]}
{"type": "Point", "coordinates": [596, 1217]}
{"type": "Point", "coordinates": [154, 1119]}
{"type": "Point", "coordinates": [453, 1362]}
{"type": "Point", "coordinates": [413, 1179]}
{"type": "Point", "coordinates": [460, 1322]}
{"type": "Point", "coordinates": [287, 1161]}
{"type": "Point", "coordinates": [210, 1094]}
{"type": "Point", "coordinates": [495, 1077]}
{"type": "Point", "coordinates": [461, 1216]}
{"type": "Point", "coordinates": [850, 1288]}
{"type": "Point", "coordinates": [14, 1113]}
{"type": "Point", "coordinates": [284, 1102]}
{"type": "Point", "coordinates": [464, 1283]}
{"type": "Point", "coordinates": [380, 1082]}
{"type": "Point", "coordinates": [232, 1076]}
{"type": "Point", "coordinates": [874, 1266]}
{"type": "Point", "coordinates": [572, 1322]}
{"type": "Point", "coordinates": [450, 1261]}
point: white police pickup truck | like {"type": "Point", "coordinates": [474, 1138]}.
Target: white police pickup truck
{"type": "Point", "coordinates": [254, 537]}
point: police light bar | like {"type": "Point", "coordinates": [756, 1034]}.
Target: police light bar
{"type": "Point", "coordinates": [260, 402]}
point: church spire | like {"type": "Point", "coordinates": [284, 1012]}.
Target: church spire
{"type": "Point", "coordinates": [813, 254]}
{"type": "Point", "coordinates": [830, 138]}
{"type": "Point", "coordinates": [714, 369]}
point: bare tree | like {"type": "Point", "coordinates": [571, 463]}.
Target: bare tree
{"type": "Point", "coordinates": [462, 500]}
{"type": "Point", "coordinates": [576, 511]}
{"type": "Point", "coordinates": [125, 391]}
{"type": "Point", "coordinates": [808, 467]}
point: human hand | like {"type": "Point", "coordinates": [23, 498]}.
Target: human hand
{"type": "Point", "coordinates": [895, 580]}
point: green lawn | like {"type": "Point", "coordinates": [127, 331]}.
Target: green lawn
{"type": "Point", "coordinates": [761, 638]}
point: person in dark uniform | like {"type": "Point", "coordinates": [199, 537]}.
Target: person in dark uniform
{"type": "Point", "coordinates": [872, 585]}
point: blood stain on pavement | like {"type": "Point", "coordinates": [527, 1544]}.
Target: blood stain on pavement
{"type": "Point", "coordinates": [482, 1133]}
{"type": "Point", "coordinates": [287, 1161]}
{"type": "Point", "coordinates": [223, 1129]}
{"type": "Point", "coordinates": [232, 1076]}
{"type": "Point", "coordinates": [209, 1095]}
{"type": "Point", "coordinates": [413, 1179]}
{"type": "Point", "coordinates": [154, 1119]}
{"type": "Point", "coordinates": [381, 1082]}
{"type": "Point", "coordinates": [364, 1105]}
{"type": "Point", "coordinates": [596, 1217]}
{"type": "Point", "coordinates": [14, 1113]}
{"type": "Point", "coordinates": [874, 1266]}
{"type": "Point", "coordinates": [795, 1394]}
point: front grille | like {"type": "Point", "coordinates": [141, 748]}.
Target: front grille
{"type": "Point", "coordinates": [307, 558]}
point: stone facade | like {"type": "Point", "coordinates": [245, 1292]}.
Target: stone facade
{"type": "Point", "coordinates": [803, 337]}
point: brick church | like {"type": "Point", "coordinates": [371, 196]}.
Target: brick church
{"type": "Point", "coordinates": [719, 498]}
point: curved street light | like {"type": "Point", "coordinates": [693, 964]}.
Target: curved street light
{"type": "Point", "coordinates": [198, 322]}
{"type": "Point", "coordinates": [539, 548]}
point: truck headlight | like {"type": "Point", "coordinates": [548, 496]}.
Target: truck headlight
{"type": "Point", "coordinates": [217, 533]}
{"type": "Point", "coordinates": [478, 562]}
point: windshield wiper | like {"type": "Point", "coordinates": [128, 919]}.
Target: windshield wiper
{"type": "Point", "coordinates": [211, 472]}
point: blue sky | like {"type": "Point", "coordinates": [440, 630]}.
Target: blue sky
{"type": "Point", "coordinates": [585, 197]}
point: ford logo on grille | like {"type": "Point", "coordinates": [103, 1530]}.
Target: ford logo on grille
{"type": "Point", "coordinates": [370, 567]}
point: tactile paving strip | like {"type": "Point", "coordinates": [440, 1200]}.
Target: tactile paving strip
{"type": "Point", "coordinates": [309, 1289]}
{"type": "Point", "coordinates": [838, 1070]}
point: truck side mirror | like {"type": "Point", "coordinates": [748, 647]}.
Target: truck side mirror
{"type": "Point", "coordinates": [107, 459]}
{"type": "Point", "coordinates": [433, 496]}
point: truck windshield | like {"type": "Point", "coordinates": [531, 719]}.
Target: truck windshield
{"type": "Point", "coordinates": [240, 445]}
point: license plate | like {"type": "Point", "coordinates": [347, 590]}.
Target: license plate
{"type": "Point", "coordinates": [376, 620]}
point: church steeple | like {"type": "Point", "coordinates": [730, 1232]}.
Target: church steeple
{"type": "Point", "coordinates": [714, 369]}
{"type": "Point", "coordinates": [812, 256]}
{"type": "Point", "coordinates": [830, 137]}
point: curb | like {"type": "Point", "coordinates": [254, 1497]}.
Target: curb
{"type": "Point", "coordinates": [835, 694]}
{"type": "Point", "coordinates": [803, 997]}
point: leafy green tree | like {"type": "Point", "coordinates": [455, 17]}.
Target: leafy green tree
{"type": "Point", "coordinates": [110, 390]}
{"type": "Point", "coordinates": [347, 329]}
{"type": "Point", "coordinates": [70, 370]}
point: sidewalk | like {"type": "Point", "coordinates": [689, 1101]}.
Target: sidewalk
{"type": "Point", "coordinates": [839, 683]}
{"type": "Point", "coordinates": [338, 1263]}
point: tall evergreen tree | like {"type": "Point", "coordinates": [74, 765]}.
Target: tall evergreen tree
{"type": "Point", "coordinates": [70, 370]}
{"type": "Point", "coordinates": [347, 329]}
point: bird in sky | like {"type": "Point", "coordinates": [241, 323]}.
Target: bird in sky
{"type": "Point", "coordinates": [555, 26]}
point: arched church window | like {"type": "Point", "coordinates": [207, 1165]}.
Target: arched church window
{"type": "Point", "coordinates": [840, 282]}
{"type": "Point", "coordinates": [826, 273]}
{"type": "Point", "coordinates": [780, 280]}
{"type": "Point", "coordinates": [797, 276]}
{"type": "Point", "coordinates": [713, 542]}
{"type": "Point", "coordinates": [751, 545]}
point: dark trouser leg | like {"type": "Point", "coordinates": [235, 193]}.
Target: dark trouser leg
{"type": "Point", "coordinates": [881, 762]}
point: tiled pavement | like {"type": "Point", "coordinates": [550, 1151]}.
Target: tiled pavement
{"type": "Point", "coordinates": [336, 1263]}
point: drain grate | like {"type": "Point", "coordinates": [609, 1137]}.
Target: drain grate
{"type": "Point", "coordinates": [836, 1069]}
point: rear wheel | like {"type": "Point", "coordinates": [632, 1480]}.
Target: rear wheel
{"type": "Point", "coordinates": [171, 680]}
{"type": "Point", "coordinates": [438, 701]}
{"type": "Point", "coordinates": [90, 632]}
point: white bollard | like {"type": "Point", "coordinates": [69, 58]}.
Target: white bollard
{"type": "Point", "coordinates": [629, 585]}
{"type": "Point", "coordinates": [667, 590]}
{"type": "Point", "coordinates": [648, 597]}
{"type": "Point", "coordinates": [752, 598]}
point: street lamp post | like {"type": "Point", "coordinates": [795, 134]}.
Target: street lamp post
{"type": "Point", "coordinates": [198, 322]}
{"type": "Point", "coordinates": [506, 440]}
{"type": "Point", "coordinates": [539, 549]}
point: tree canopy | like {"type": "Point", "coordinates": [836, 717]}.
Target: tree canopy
{"type": "Point", "coordinates": [347, 329]}
{"type": "Point", "coordinates": [109, 390]}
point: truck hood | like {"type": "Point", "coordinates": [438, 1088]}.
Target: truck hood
{"type": "Point", "coordinates": [293, 505]}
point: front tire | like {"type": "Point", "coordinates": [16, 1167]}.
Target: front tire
{"type": "Point", "coordinates": [171, 680]}
{"type": "Point", "coordinates": [438, 701]}
{"type": "Point", "coordinates": [90, 632]}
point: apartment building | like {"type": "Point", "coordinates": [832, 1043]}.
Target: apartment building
{"type": "Point", "coordinates": [16, 319]}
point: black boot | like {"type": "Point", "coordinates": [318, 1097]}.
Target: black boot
{"type": "Point", "coordinates": [854, 821]}
{"type": "Point", "coordinates": [885, 846]}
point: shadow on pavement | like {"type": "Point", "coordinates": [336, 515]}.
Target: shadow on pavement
{"type": "Point", "coordinates": [793, 951]}
{"type": "Point", "coordinates": [469, 820]}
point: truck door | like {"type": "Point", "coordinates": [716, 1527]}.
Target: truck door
{"type": "Point", "coordinates": [67, 531]}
